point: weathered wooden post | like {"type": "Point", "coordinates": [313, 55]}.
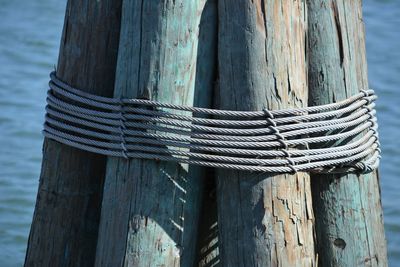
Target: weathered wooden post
{"type": "Point", "coordinates": [65, 223]}
{"type": "Point", "coordinates": [151, 208]}
{"type": "Point", "coordinates": [206, 75]}
{"type": "Point", "coordinates": [264, 220]}
{"type": "Point", "coordinates": [348, 212]}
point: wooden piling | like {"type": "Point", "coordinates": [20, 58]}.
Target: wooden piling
{"type": "Point", "coordinates": [264, 220]}
{"type": "Point", "coordinates": [65, 222]}
{"type": "Point", "coordinates": [206, 75]}
{"type": "Point", "coordinates": [348, 211]}
{"type": "Point", "coordinates": [150, 209]}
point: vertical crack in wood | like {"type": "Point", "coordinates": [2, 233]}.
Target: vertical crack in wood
{"type": "Point", "coordinates": [338, 31]}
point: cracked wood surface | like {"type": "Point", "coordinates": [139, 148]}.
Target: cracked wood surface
{"type": "Point", "coordinates": [264, 220]}
{"type": "Point", "coordinates": [348, 210]}
{"type": "Point", "coordinates": [206, 69]}
{"type": "Point", "coordinates": [150, 209]}
{"type": "Point", "coordinates": [66, 218]}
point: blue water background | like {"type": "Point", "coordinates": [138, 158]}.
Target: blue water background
{"type": "Point", "coordinates": [30, 33]}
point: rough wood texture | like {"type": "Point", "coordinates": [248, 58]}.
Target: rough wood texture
{"type": "Point", "coordinates": [206, 72]}
{"type": "Point", "coordinates": [264, 220]}
{"type": "Point", "coordinates": [150, 209]}
{"type": "Point", "coordinates": [348, 210]}
{"type": "Point", "coordinates": [65, 223]}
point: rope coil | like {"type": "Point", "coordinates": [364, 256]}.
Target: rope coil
{"type": "Point", "coordinates": [335, 138]}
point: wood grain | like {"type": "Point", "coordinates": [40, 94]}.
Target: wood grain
{"type": "Point", "coordinates": [264, 220]}
{"type": "Point", "coordinates": [348, 209]}
{"type": "Point", "coordinates": [66, 218]}
{"type": "Point", "coordinates": [150, 209]}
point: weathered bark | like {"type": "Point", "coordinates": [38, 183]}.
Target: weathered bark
{"type": "Point", "coordinates": [348, 211]}
{"type": "Point", "coordinates": [65, 222]}
{"type": "Point", "coordinates": [150, 209]}
{"type": "Point", "coordinates": [264, 220]}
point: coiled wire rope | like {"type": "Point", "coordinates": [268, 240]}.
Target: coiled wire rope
{"type": "Point", "coordinates": [335, 138]}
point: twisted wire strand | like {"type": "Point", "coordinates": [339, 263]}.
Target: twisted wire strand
{"type": "Point", "coordinates": [243, 142]}
{"type": "Point", "coordinates": [345, 133]}
{"type": "Point", "coordinates": [94, 115]}
{"type": "Point", "coordinates": [164, 140]}
{"type": "Point", "coordinates": [55, 82]}
{"type": "Point", "coordinates": [294, 115]}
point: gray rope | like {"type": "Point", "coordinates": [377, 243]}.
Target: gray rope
{"type": "Point", "coordinates": [267, 141]}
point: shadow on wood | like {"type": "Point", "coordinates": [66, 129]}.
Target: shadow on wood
{"type": "Point", "coordinates": [208, 247]}
{"type": "Point", "coordinates": [264, 219]}
{"type": "Point", "coordinates": [348, 211]}
{"type": "Point", "coordinates": [150, 209]}
{"type": "Point", "coordinates": [67, 212]}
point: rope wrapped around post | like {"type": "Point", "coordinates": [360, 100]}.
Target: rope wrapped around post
{"type": "Point", "coordinates": [266, 141]}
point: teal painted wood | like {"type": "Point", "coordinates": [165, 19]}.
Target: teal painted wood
{"type": "Point", "coordinates": [150, 209]}
{"type": "Point", "coordinates": [348, 210]}
{"type": "Point", "coordinates": [264, 220]}
{"type": "Point", "coordinates": [67, 213]}
{"type": "Point", "coordinates": [206, 72]}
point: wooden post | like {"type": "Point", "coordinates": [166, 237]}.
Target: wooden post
{"type": "Point", "coordinates": [151, 208]}
{"type": "Point", "coordinates": [348, 211]}
{"type": "Point", "coordinates": [65, 222]}
{"type": "Point", "coordinates": [264, 220]}
{"type": "Point", "coordinates": [206, 75]}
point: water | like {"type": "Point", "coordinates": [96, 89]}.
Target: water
{"type": "Point", "coordinates": [382, 19]}
{"type": "Point", "coordinates": [29, 41]}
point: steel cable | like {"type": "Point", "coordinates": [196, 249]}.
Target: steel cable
{"type": "Point", "coordinates": [344, 134]}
